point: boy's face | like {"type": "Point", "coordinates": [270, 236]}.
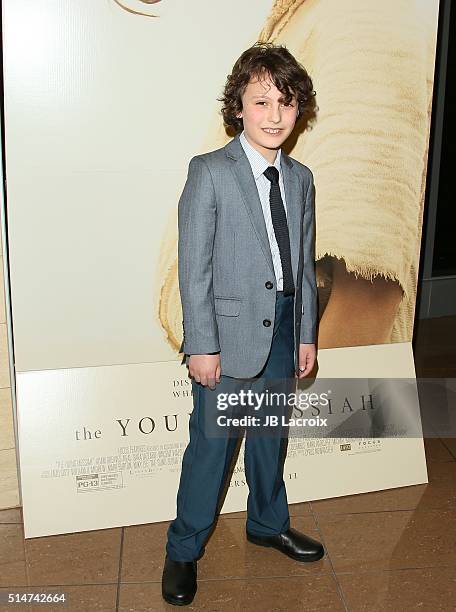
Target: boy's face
{"type": "Point", "coordinates": [268, 120]}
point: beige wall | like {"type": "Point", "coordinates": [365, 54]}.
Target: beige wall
{"type": "Point", "coordinates": [9, 488]}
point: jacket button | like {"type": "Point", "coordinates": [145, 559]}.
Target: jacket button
{"type": "Point", "coordinates": [268, 285]}
{"type": "Point", "coordinates": [266, 322]}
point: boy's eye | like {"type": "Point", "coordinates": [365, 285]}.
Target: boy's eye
{"type": "Point", "coordinates": [284, 103]}
{"type": "Point", "coordinates": [289, 104]}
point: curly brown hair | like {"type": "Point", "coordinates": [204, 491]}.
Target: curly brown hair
{"type": "Point", "coordinates": [287, 74]}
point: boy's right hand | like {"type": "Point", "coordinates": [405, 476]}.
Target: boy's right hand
{"type": "Point", "coordinates": [205, 369]}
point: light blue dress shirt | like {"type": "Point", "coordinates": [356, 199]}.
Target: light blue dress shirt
{"type": "Point", "coordinates": [259, 164]}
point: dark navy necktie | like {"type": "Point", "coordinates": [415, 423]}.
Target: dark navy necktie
{"type": "Point", "coordinates": [279, 222]}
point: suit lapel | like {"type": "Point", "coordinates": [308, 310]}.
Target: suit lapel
{"type": "Point", "coordinates": [293, 205]}
{"type": "Point", "coordinates": [248, 189]}
{"type": "Point", "coordinates": [246, 182]}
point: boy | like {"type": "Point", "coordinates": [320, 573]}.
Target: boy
{"type": "Point", "coordinates": [249, 302]}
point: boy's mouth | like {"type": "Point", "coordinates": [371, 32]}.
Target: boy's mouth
{"type": "Point", "coordinates": [273, 131]}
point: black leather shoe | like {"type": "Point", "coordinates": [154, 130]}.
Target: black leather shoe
{"type": "Point", "coordinates": [292, 543]}
{"type": "Point", "coordinates": [179, 581]}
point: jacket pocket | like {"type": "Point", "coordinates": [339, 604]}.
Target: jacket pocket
{"type": "Point", "coordinates": [227, 306]}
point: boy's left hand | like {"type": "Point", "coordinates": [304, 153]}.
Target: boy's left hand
{"type": "Point", "coordinates": [307, 356]}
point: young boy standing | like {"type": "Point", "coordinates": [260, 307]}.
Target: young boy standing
{"type": "Point", "coordinates": [249, 301]}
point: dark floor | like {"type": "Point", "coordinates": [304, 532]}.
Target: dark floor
{"type": "Point", "coordinates": [393, 550]}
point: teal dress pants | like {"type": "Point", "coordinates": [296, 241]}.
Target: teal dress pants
{"type": "Point", "coordinates": [207, 458]}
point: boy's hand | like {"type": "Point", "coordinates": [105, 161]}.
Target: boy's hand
{"type": "Point", "coordinates": [307, 356]}
{"type": "Point", "coordinates": [205, 369]}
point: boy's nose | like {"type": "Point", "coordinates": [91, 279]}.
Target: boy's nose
{"type": "Point", "coordinates": [274, 114]}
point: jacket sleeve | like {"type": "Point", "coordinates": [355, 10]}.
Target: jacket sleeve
{"type": "Point", "coordinates": [309, 284]}
{"type": "Point", "coordinates": [197, 215]}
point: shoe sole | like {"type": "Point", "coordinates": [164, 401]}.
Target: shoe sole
{"type": "Point", "coordinates": [306, 559]}
{"type": "Point", "coordinates": [177, 602]}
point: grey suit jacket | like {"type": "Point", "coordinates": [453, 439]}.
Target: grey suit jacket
{"type": "Point", "coordinates": [226, 275]}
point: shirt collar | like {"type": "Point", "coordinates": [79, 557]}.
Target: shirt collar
{"type": "Point", "coordinates": [257, 161]}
